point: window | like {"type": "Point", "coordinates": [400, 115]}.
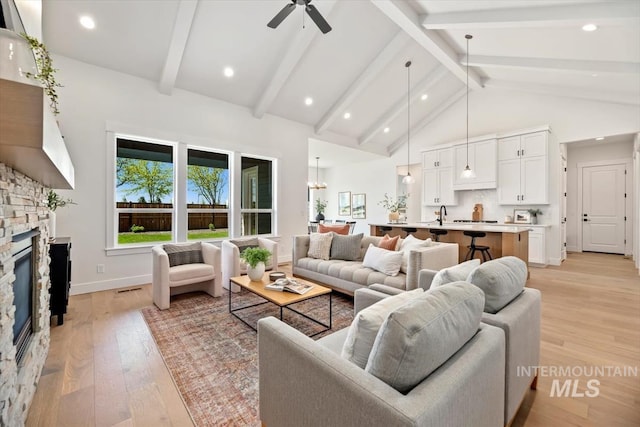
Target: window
{"type": "Point", "coordinates": [144, 191]}
{"type": "Point", "coordinates": [207, 195]}
{"type": "Point", "coordinates": [174, 192]}
{"type": "Point", "coordinates": [257, 196]}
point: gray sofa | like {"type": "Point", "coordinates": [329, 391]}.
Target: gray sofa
{"type": "Point", "coordinates": [307, 383]}
{"type": "Point", "coordinates": [347, 276]}
{"type": "Point", "coordinates": [510, 306]}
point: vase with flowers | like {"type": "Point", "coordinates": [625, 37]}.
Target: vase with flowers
{"type": "Point", "coordinates": [321, 205]}
{"type": "Point", "coordinates": [534, 215]}
{"type": "Point", "coordinates": [394, 206]}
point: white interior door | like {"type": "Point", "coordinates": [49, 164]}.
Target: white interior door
{"type": "Point", "coordinates": [603, 208]}
{"type": "Point", "coordinates": [563, 204]}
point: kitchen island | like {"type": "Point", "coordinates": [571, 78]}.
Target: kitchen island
{"type": "Point", "coordinates": [502, 239]}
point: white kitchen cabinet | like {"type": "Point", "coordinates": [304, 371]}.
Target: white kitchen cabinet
{"type": "Point", "coordinates": [435, 159]}
{"type": "Point", "coordinates": [523, 169]}
{"type": "Point", "coordinates": [482, 160]}
{"type": "Point", "coordinates": [437, 178]}
{"type": "Point", "coordinates": [537, 246]}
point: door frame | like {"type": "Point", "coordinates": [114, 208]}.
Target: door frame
{"type": "Point", "coordinates": [628, 201]}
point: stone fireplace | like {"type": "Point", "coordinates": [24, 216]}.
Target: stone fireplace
{"type": "Point", "coordinates": [23, 210]}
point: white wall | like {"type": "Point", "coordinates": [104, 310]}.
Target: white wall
{"type": "Point", "coordinates": [578, 153]}
{"type": "Point", "coordinates": [492, 111]}
{"type": "Point", "coordinates": [93, 98]}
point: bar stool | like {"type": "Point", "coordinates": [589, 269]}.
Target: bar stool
{"type": "Point", "coordinates": [409, 230]}
{"type": "Point", "coordinates": [436, 232]}
{"type": "Point", "coordinates": [473, 247]}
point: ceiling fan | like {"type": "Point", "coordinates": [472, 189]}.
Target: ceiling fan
{"type": "Point", "coordinates": [311, 11]}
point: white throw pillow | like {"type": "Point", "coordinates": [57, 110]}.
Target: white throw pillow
{"type": "Point", "coordinates": [382, 260]}
{"type": "Point", "coordinates": [364, 328]}
{"type": "Point", "coordinates": [408, 244]}
{"type": "Point", "coordinates": [456, 273]}
{"type": "Point", "coordinates": [320, 245]}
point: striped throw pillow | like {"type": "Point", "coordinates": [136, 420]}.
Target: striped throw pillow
{"type": "Point", "coordinates": [184, 254]}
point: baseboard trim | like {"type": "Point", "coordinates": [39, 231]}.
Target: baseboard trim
{"type": "Point", "coordinates": [555, 261]}
{"type": "Point", "coordinates": [106, 285]}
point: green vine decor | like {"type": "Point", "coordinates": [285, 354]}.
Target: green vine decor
{"type": "Point", "coordinates": [46, 72]}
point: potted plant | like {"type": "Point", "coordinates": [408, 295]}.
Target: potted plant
{"type": "Point", "coordinates": [321, 205]}
{"type": "Point", "coordinates": [393, 206]}
{"type": "Point", "coordinates": [534, 215]}
{"type": "Point", "coordinates": [255, 259]}
{"type": "Point", "coordinates": [55, 201]}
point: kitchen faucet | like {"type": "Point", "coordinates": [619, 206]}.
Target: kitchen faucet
{"type": "Point", "coordinates": [440, 216]}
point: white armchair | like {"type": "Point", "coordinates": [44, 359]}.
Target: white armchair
{"type": "Point", "coordinates": [233, 266]}
{"type": "Point", "coordinates": [185, 272]}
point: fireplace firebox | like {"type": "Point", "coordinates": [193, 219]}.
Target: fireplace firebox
{"type": "Point", "coordinates": [22, 251]}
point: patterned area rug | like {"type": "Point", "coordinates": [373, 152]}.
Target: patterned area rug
{"type": "Point", "coordinates": [213, 356]}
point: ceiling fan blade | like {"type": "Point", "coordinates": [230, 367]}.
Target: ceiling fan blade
{"type": "Point", "coordinates": [318, 19]}
{"type": "Point", "coordinates": [281, 15]}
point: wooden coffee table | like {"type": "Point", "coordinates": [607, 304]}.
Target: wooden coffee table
{"type": "Point", "coordinates": [281, 299]}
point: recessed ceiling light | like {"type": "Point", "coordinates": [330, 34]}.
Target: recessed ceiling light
{"type": "Point", "coordinates": [386, 130]}
{"type": "Point", "coordinates": [308, 100]}
{"type": "Point", "coordinates": [424, 97]}
{"type": "Point", "coordinates": [228, 72]}
{"type": "Point", "coordinates": [347, 115]}
{"type": "Point", "coordinates": [87, 22]}
{"type": "Point", "coordinates": [600, 138]}
{"type": "Point", "coordinates": [589, 27]}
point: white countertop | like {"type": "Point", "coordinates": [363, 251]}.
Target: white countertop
{"type": "Point", "coordinates": [462, 226]}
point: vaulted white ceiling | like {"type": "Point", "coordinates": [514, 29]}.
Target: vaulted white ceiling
{"type": "Point", "coordinates": [358, 67]}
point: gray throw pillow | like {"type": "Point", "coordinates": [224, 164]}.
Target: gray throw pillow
{"type": "Point", "coordinates": [502, 280]}
{"type": "Point", "coordinates": [244, 244]}
{"type": "Point", "coordinates": [424, 333]}
{"type": "Point", "coordinates": [346, 247]}
{"type": "Point", "coordinates": [184, 254]}
{"type": "Point", "coordinates": [454, 274]}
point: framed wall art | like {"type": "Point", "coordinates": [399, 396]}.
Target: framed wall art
{"type": "Point", "coordinates": [344, 203]}
{"type": "Point", "coordinates": [359, 206]}
{"type": "Point", "coordinates": [521, 216]}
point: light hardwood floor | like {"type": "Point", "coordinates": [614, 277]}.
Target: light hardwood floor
{"type": "Point", "coordinates": [104, 369]}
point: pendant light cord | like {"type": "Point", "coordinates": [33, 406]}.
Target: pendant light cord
{"type": "Point", "coordinates": [408, 65]}
{"type": "Point", "coordinates": [467, 37]}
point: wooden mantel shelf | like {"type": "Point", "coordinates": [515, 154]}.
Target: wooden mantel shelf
{"type": "Point", "coordinates": [30, 140]}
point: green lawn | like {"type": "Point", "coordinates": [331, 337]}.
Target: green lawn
{"type": "Point", "coordinates": [165, 236]}
{"type": "Point", "coordinates": [207, 234]}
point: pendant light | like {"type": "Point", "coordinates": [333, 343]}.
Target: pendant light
{"type": "Point", "coordinates": [317, 185]}
{"type": "Point", "coordinates": [467, 173]}
{"type": "Point", "coordinates": [408, 179]}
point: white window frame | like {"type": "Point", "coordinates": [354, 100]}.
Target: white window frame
{"type": "Point", "coordinates": [180, 214]}
{"type": "Point", "coordinates": [230, 156]}
{"type": "Point", "coordinates": [113, 247]}
{"type": "Point", "coordinates": [274, 199]}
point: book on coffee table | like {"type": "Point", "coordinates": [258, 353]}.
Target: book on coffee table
{"type": "Point", "coordinates": [289, 285]}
